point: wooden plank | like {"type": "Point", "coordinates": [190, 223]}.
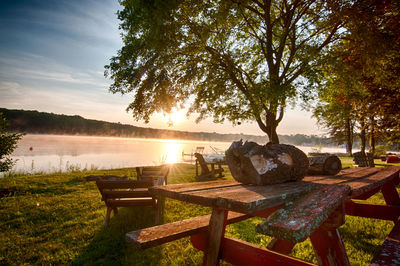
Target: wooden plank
{"type": "Point", "coordinates": [130, 202]}
{"type": "Point", "coordinates": [370, 182]}
{"type": "Point", "coordinates": [238, 252]}
{"type": "Point", "coordinates": [298, 220]}
{"type": "Point", "coordinates": [216, 233]}
{"type": "Point", "coordinates": [187, 187]}
{"type": "Point", "coordinates": [374, 211]}
{"type": "Point", "coordinates": [329, 248]}
{"type": "Point", "coordinates": [389, 253]}
{"type": "Point", "coordinates": [236, 197]}
{"type": "Point", "coordinates": [126, 193]}
{"type": "Point", "coordinates": [104, 184]}
{"type": "Point", "coordinates": [361, 179]}
{"type": "Point", "coordinates": [157, 235]}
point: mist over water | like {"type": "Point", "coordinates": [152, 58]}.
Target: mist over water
{"type": "Point", "coordinates": [59, 153]}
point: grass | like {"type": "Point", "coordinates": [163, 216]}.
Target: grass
{"type": "Point", "coordinates": [58, 219]}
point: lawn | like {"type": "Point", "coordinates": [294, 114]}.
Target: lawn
{"type": "Point", "coordinates": [58, 219]}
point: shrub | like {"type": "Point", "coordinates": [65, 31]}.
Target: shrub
{"type": "Point", "coordinates": [8, 143]}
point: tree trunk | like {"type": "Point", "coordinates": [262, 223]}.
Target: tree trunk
{"type": "Point", "coordinates": [271, 124]}
{"type": "Point", "coordinates": [349, 139]}
{"type": "Point", "coordinates": [372, 136]}
{"type": "Point", "coordinates": [362, 135]}
{"type": "Point", "coordinates": [251, 163]}
{"type": "Point", "coordinates": [324, 165]}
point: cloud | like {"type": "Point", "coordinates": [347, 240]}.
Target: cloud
{"type": "Point", "coordinates": [34, 67]}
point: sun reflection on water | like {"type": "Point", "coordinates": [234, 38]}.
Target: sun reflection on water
{"type": "Point", "coordinates": [171, 152]}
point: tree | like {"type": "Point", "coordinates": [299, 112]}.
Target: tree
{"type": "Point", "coordinates": [8, 142]}
{"type": "Point", "coordinates": [232, 60]}
{"type": "Point", "coordinates": [365, 68]}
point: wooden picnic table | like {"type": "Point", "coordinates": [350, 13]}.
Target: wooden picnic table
{"type": "Point", "coordinates": [314, 207]}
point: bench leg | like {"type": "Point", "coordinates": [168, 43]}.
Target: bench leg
{"type": "Point", "coordinates": [329, 247]}
{"type": "Point", "coordinates": [281, 246]}
{"type": "Point", "coordinates": [106, 222]}
{"type": "Point", "coordinates": [160, 204]}
{"type": "Point", "coordinates": [390, 194]}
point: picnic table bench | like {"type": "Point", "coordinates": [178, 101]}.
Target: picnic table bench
{"type": "Point", "coordinates": [312, 208]}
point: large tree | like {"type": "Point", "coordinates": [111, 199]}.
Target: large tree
{"type": "Point", "coordinates": [229, 59]}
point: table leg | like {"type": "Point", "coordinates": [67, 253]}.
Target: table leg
{"type": "Point", "coordinates": [216, 232]}
{"type": "Point", "coordinates": [390, 193]}
{"type": "Point", "coordinates": [329, 247]}
{"type": "Point", "coordinates": [281, 246]}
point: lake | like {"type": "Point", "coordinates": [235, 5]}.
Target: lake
{"type": "Point", "coordinates": [59, 153]}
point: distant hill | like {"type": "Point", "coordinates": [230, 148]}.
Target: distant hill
{"type": "Point", "coordinates": [35, 122]}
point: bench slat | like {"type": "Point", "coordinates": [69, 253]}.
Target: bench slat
{"type": "Point", "coordinates": [126, 194]}
{"type": "Point", "coordinates": [157, 235]}
{"type": "Point", "coordinates": [297, 221]}
{"type": "Point", "coordinates": [389, 253]}
{"type": "Point", "coordinates": [127, 202]}
{"type": "Point", "coordinates": [123, 184]}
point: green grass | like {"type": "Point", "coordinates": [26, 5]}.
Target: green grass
{"type": "Point", "coordinates": [58, 219]}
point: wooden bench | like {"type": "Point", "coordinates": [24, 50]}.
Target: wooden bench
{"type": "Point", "coordinates": [127, 193]}
{"type": "Point", "coordinates": [205, 172]}
{"type": "Point", "coordinates": [158, 174]}
{"type": "Point", "coordinates": [389, 252]}
{"type": "Point", "coordinates": [297, 221]}
{"type": "Point", "coordinates": [157, 235]}
{"type": "Point", "coordinates": [363, 159]}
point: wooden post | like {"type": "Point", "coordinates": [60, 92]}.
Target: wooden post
{"type": "Point", "coordinates": [281, 246]}
{"type": "Point", "coordinates": [329, 247]}
{"type": "Point", "coordinates": [216, 232]}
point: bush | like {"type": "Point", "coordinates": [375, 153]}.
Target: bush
{"type": "Point", "coordinates": [381, 150]}
{"type": "Point", "coordinates": [8, 143]}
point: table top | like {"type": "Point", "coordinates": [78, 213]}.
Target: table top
{"type": "Point", "coordinates": [235, 196]}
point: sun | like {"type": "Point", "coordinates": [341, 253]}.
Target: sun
{"type": "Point", "coordinates": [175, 117]}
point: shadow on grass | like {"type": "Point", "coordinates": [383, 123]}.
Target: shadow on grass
{"type": "Point", "coordinates": [108, 246]}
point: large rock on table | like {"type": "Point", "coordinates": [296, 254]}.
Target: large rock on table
{"type": "Point", "coordinates": [251, 163]}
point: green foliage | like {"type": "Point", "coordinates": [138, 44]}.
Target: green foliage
{"type": "Point", "coordinates": [8, 143]}
{"type": "Point", "coordinates": [58, 219]}
{"type": "Point", "coordinates": [232, 60]}
{"type": "Point", "coordinates": [362, 72]}
{"type": "Point", "coordinates": [381, 149]}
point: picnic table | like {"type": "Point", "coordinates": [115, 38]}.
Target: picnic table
{"type": "Point", "coordinates": [312, 208]}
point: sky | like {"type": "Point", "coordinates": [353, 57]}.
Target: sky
{"type": "Point", "coordinates": [52, 58]}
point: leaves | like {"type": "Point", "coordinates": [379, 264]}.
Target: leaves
{"type": "Point", "coordinates": [8, 143]}
{"type": "Point", "coordinates": [232, 60]}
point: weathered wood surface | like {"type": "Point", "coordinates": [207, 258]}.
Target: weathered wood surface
{"type": "Point", "coordinates": [238, 252]}
{"type": "Point", "coordinates": [360, 179]}
{"type": "Point", "coordinates": [300, 218]}
{"type": "Point", "coordinates": [251, 163]}
{"type": "Point", "coordinates": [160, 234]}
{"type": "Point", "coordinates": [324, 165]}
{"type": "Point", "coordinates": [235, 196]}
{"type": "Point", "coordinates": [389, 253]}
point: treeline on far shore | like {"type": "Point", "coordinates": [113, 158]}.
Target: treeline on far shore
{"type": "Point", "coordinates": [34, 122]}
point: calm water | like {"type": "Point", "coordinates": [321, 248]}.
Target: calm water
{"type": "Point", "coordinates": [54, 153]}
